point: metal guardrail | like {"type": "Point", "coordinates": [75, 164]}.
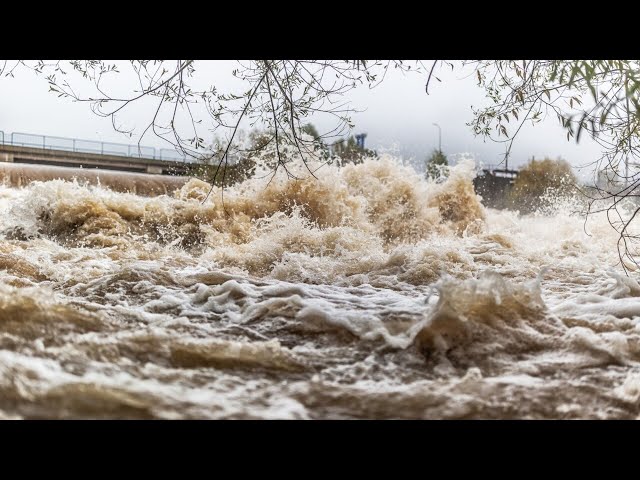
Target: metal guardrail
{"type": "Point", "coordinates": [497, 168]}
{"type": "Point", "coordinates": [493, 166]}
{"type": "Point", "coordinates": [91, 146]}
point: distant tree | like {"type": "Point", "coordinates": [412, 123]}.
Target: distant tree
{"type": "Point", "coordinates": [540, 182]}
{"type": "Point", "coordinates": [312, 131]}
{"type": "Point", "coordinates": [256, 147]}
{"type": "Point", "coordinates": [348, 151]}
{"type": "Point", "coordinates": [437, 165]}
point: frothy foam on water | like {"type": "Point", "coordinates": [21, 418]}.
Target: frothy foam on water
{"type": "Point", "coordinates": [369, 292]}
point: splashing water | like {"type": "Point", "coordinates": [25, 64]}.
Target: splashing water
{"type": "Point", "coordinates": [367, 293]}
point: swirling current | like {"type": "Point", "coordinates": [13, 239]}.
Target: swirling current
{"type": "Point", "coordinates": [368, 292]}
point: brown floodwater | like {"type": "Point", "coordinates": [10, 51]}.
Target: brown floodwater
{"type": "Point", "coordinates": [367, 293]}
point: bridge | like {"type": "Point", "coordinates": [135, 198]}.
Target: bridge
{"type": "Point", "coordinates": [78, 153]}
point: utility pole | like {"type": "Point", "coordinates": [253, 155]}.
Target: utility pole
{"type": "Point", "coordinates": [439, 137]}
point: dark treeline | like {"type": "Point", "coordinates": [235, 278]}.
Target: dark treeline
{"type": "Point", "coordinates": [260, 148]}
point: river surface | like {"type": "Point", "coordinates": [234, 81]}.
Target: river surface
{"type": "Point", "coordinates": [366, 293]}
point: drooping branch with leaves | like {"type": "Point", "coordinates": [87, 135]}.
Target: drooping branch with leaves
{"type": "Point", "coordinates": [279, 97]}
{"type": "Point", "coordinates": [596, 98]}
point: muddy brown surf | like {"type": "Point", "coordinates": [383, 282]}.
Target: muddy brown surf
{"type": "Point", "coordinates": [367, 293]}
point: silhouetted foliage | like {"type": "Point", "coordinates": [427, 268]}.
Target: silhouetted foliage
{"type": "Point", "coordinates": [258, 147]}
{"type": "Point", "coordinates": [437, 165]}
{"type": "Point", "coordinates": [312, 131]}
{"type": "Point", "coordinates": [540, 183]}
{"type": "Point", "coordinates": [348, 151]}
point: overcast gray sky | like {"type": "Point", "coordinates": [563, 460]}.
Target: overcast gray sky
{"type": "Point", "coordinates": [398, 115]}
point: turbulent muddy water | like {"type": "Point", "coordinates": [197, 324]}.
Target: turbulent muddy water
{"type": "Point", "coordinates": [368, 293]}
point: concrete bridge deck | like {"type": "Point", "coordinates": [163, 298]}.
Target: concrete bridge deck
{"type": "Point", "coordinates": [78, 153]}
{"type": "Point", "coordinates": [63, 158]}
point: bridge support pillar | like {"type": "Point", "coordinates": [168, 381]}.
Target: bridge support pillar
{"type": "Point", "coordinates": [154, 169]}
{"type": "Point", "coordinates": [6, 157]}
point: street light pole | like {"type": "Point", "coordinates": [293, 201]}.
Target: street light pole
{"type": "Point", "coordinates": [439, 137]}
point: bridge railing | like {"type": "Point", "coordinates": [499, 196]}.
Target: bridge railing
{"type": "Point", "coordinates": [91, 146]}
{"type": "Point", "coordinates": [499, 167]}
{"type": "Point", "coordinates": [173, 155]}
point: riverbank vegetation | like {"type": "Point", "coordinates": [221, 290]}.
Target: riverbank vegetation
{"type": "Point", "coordinates": [259, 149]}
{"type": "Point", "coordinates": [540, 184]}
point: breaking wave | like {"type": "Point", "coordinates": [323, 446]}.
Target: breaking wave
{"type": "Point", "coordinates": [368, 292]}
